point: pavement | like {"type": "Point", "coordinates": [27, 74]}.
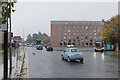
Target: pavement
{"type": "Point", "coordinates": [1, 65]}
{"type": "Point", "coordinates": [17, 62]}
{"type": "Point", "coordinates": [45, 64]}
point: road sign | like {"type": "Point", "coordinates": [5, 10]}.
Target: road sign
{"type": "Point", "coordinates": [17, 37]}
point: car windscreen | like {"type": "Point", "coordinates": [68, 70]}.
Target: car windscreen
{"type": "Point", "coordinates": [75, 50]}
{"type": "Point", "coordinates": [99, 45]}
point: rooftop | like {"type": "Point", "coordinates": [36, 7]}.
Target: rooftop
{"type": "Point", "coordinates": [77, 22]}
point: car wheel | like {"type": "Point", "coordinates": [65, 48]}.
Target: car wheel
{"type": "Point", "coordinates": [95, 50]}
{"type": "Point", "coordinates": [69, 60]}
{"type": "Point", "coordinates": [81, 61]}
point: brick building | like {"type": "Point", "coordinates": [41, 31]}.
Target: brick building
{"type": "Point", "coordinates": [78, 33]}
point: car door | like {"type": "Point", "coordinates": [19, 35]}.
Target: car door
{"type": "Point", "coordinates": [67, 53]}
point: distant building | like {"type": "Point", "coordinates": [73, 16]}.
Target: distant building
{"type": "Point", "coordinates": [78, 33]}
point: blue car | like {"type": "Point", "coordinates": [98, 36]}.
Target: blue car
{"type": "Point", "coordinates": [72, 54]}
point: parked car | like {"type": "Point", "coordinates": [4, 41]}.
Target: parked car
{"type": "Point", "coordinates": [72, 54]}
{"type": "Point", "coordinates": [70, 46]}
{"type": "Point", "coordinates": [29, 45]}
{"type": "Point", "coordinates": [49, 48]}
{"type": "Point", "coordinates": [39, 47]}
{"type": "Point", "coordinates": [45, 45]}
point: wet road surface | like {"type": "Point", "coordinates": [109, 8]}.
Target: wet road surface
{"type": "Point", "coordinates": [45, 64]}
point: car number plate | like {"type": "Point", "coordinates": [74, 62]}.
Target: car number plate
{"type": "Point", "coordinates": [77, 54]}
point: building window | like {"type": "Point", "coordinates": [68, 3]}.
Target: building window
{"type": "Point", "coordinates": [68, 30]}
{"type": "Point", "coordinates": [98, 30]}
{"type": "Point", "coordinates": [95, 26]}
{"type": "Point", "coordinates": [64, 37]}
{"type": "Point", "coordinates": [94, 37]}
{"type": "Point", "coordinates": [65, 27]}
{"type": "Point", "coordinates": [99, 34]}
{"type": "Point", "coordinates": [73, 30]}
{"type": "Point", "coordinates": [82, 34]}
{"type": "Point", "coordinates": [86, 37]}
{"type": "Point", "coordinates": [91, 34]}
{"type": "Point", "coordinates": [82, 27]}
{"type": "Point", "coordinates": [77, 37]}
{"type": "Point", "coordinates": [73, 40]}
{"type": "Point", "coordinates": [78, 27]}
{"type": "Point", "coordinates": [78, 41]}
{"type": "Point", "coordinates": [69, 34]}
{"type": "Point", "coordinates": [81, 37]}
{"type": "Point", "coordinates": [82, 40]}
{"type": "Point", "coordinates": [73, 34]}
{"type": "Point", "coordinates": [69, 27]}
{"type": "Point", "coordinates": [86, 34]}
{"type": "Point", "coordinates": [82, 44]}
{"type": "Point", "coordinates": [73, 37]}
{"type": "Point", "coordinates": [73, 27]}
{"type": "Point", "coordinates": [65, 34]}
{"type": "Point", "coordinates": [86, 27]}
{"type": "Point", "coordinates": [78, 34]}
{"type": "Point", "coordinates": [69, 40]}
{"type": "Point", "coordinates": [85, 30]}
{"type": "Point", "coordinates": [86, 40]}
{"type": "Point", "coordinates": [90, 26]}
{"type": "Point", "coordinates": [99, 27]}
{"type": "Point", "coordinates": [78, 44]}
{"type": "Point", "coordinates": [77, 30]}
{"type": "Point", "coordinates": [90, 37]}
{"type": "Point", "coordinates": [81, 30]}
{"type": "Point", "coordinates": [68, 37]}
{"type": "Point", "coordinates": [86, 44]}
{"type": "Point", "coordinates": [90, 30]}
{"type": "Point", "coordinates": [94, 30]}
{"type": "Point", "coordinates": [64, 30]}
{"type": "Point", "coordinates": [90, 40]}
{"type": "Point", "coordinates": [95, 34]}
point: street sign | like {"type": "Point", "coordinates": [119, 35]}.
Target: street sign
{"type": "Point", "coordinates": [108, 46]}
{"type": "Point", "coordinates": [17, 37]}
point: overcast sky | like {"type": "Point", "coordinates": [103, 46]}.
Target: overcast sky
{"type": "Point", "coordinates": [36, 16]}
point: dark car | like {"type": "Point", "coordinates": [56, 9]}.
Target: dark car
{"type": "Point", "coordinates": [49, 48]}
{"type": "Point", "coordinates": [45, 45]}
{"type": "Point", "coordinates": [39, 48]}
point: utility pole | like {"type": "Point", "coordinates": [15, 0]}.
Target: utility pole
{"type": "Point", "coordinates": [10, 72]}
{"type": "Point", "coordinates": [5, 29]}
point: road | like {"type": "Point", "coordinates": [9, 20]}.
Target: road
{"type": "Point", "coordinates": [50, 65]}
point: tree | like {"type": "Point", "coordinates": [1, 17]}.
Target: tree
{"type": "Point", "coordinates": [111, 30]}
{"type": "Point", "coordinates": [39, 35]}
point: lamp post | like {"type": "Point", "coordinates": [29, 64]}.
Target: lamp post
{"type": "Point", "coordinates": [10, 49]}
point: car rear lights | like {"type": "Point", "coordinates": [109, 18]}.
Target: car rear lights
{"type": "Point", "coordinates": [82, 54]}
{"type": "Point", "coordinates": [71, 54]}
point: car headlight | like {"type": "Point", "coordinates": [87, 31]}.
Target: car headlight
{"type": "Point", "coordinates": [103, 48]}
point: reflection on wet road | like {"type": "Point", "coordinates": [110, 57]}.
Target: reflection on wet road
{"type": "Point", "coordinates": [50, 65]}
